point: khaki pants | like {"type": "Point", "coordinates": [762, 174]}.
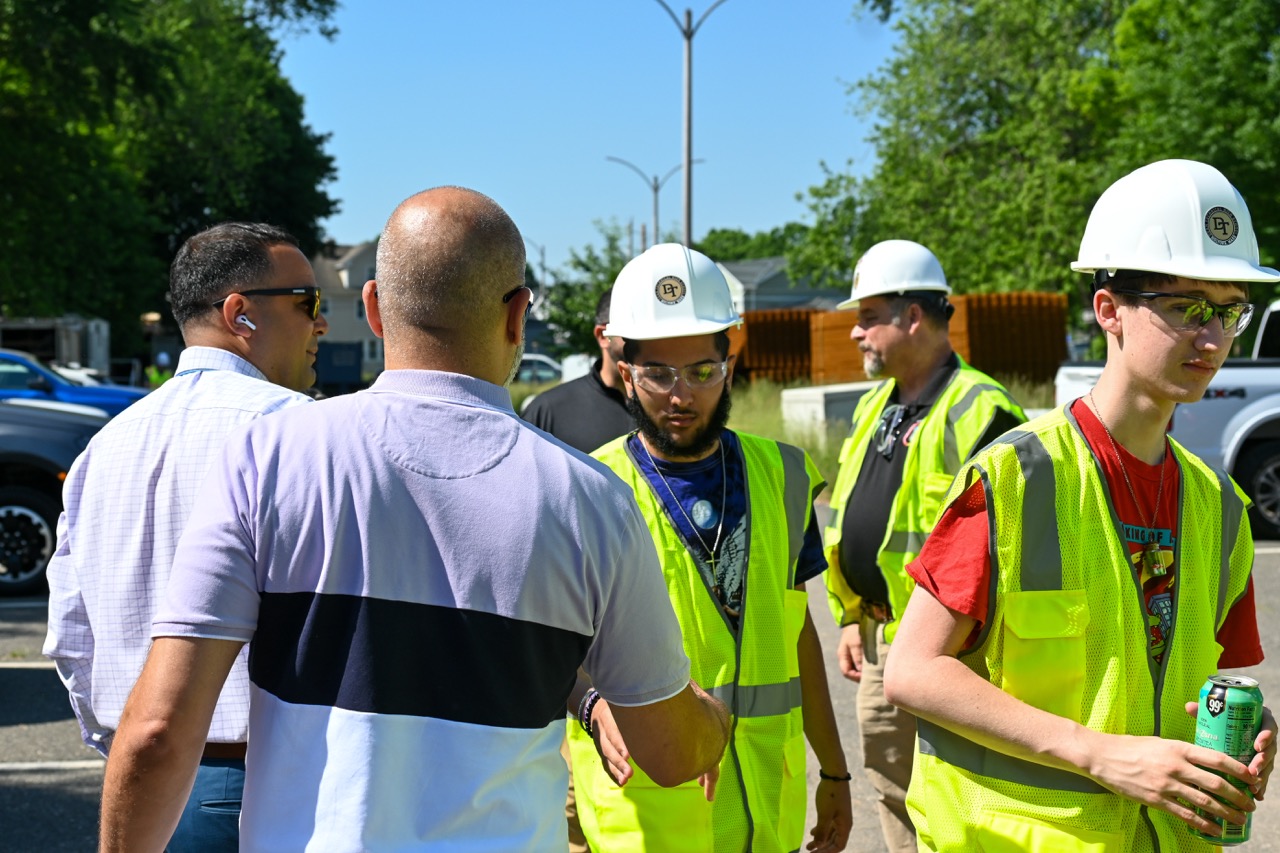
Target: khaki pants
{"type": "Point", "coordinates": [577, 841]}
{"type": "Point", "coordinates": [888, 742]}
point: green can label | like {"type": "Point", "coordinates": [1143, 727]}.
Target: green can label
{"type": "Point", "coordinates": [1228, 721]}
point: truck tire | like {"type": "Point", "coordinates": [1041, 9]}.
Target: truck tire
{"type": "Point", "coordinates": [1258, 473]}
{"type": "Point", "coordinates": [28, 534]}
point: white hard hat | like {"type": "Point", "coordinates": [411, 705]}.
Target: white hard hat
{"type": "Point", "coordinates": [894, 267]}
{"type": "Point", "coordinates": [1177, 217]}
{"type": "Point", "coordinates": [670, 291]}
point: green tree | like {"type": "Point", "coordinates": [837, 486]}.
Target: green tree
{"type": "Point", "coordinates": [1198, 80]}
{"type": "Point", "coordinates": [571, 299]}
{"type": "Point", "coordinates": [732, 244]}
{"type": "Point", "coordinates": [129, 124]}
{"type": "Point", "coordinates": [999, 122]}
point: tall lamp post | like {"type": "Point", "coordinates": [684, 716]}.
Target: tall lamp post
{"type": "Point", "coordinates": [654, 183]}
{"type": "Point", "coordinates": [688, 29]}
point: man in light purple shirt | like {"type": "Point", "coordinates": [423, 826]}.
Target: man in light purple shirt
{"type": "Point", "coordinates": [420, 574]}
{"type": "Point", "coordinates": [245, 298]}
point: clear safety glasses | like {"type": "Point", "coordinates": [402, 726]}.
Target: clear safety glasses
{"type": "Point", "coordinates": [660, 379]}
{"type": "Point", "coordinates": [1189, 313]}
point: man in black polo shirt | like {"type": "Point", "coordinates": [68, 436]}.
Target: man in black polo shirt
{"type": "Point", "coordinates": [910, 435]}
{"type": "Point", "coordinates": [589, 411]}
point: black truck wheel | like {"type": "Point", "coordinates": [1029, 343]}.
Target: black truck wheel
{"type": "Point", "coordinates": [1258, 473]}
{"type": "Point", "coordinates": [28, 534]}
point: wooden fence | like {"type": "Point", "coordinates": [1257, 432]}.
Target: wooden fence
{"type": "Point", "coordinates": [1022, 334]}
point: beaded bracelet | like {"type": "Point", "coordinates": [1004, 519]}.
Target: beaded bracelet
{"type": "Point", "coordinates": [585, 707]}
{"type": "Point", "coordinates": [848, 777]}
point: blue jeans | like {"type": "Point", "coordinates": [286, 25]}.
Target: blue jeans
{"type": "Point", "coordinates": [210, 822]}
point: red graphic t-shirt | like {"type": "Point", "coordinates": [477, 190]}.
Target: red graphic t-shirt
{"type": "Point", "coordinates": [955, 566]}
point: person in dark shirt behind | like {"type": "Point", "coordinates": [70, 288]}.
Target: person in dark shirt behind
{"type": "Point", "coordinates": [589, 411]}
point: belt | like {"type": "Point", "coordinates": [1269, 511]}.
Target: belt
{"type": "Point", "coordinates": [225, 751]}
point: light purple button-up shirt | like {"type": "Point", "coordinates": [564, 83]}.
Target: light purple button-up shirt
{"type": "Point", "coordinates": [126, 499]}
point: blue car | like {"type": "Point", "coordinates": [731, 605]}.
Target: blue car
{"type": "Point", "coordinates": [23, 376]}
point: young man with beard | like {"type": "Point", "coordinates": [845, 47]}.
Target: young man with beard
{"type": "Point", "coordinates": [1088, 573]}
{"type": "Point", "coordinates": [732, 517]}
{"type": "Point", "coordinates": [910, 435]}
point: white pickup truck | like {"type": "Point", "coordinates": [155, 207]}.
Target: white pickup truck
{"type": "Point", "coordinates": [1236, 426]}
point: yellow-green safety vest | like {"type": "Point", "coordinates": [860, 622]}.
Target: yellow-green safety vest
{"type": "Point", "coordinates": [945, 439]}
{"type": "Point", "coordinates": [760, 801]}
{"type": "Point", "coordinates": [1068, 633]}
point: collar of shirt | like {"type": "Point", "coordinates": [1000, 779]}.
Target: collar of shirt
{"type": "Point", "coordinates": [451, 386]}
{"type": "Point", "coordinates": [196, 359]}
{"type": "Point", "coordinates": [597, 378]}
{"type": "Point", "coordinates": [929, 395]}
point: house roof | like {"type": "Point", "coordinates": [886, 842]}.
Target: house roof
{"type": "Point", "coordinates": [752, 273]}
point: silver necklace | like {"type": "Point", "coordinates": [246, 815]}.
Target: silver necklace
{"type": "Point", "coordinates": [1151, 548]}
{"type": "Point", "coordinates": [724, 494]}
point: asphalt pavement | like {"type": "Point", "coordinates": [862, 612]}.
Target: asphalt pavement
{"type": "Point", "coordinates": [50, 782]}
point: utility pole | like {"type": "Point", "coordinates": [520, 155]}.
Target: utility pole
{"type": "Point", "coordinates": [653, 183]}
{"type": "Point", "coordinates": [688, 29]}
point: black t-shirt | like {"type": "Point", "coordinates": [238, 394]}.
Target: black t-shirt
{"type": "Point", "coordinates": [584, 413]}
{"type": "Point", "coordinates": [866, 516]}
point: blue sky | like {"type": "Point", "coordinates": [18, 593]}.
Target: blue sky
{"type": "Point", "coordinates": [524, 101]}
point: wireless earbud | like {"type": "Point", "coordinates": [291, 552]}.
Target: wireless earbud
{"type": "Point", "coordinates": [245, 321]}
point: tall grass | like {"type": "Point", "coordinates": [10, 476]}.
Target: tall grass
{"type": "Point", "coordinates": [1028, 393]}
{"type": "Point", "coordinates": [757, 409]}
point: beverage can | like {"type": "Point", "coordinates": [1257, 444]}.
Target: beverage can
{"type": "Point", "coordinates": [1228, 721]}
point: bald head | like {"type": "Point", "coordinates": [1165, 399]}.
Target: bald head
{"type": "Point", "coordinates": [445, 259]}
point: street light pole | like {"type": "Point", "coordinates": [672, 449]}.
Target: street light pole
{"type": "Point", "coordinates": [688, 29]}
{"type": "Point", "coordinates": [653, 183]}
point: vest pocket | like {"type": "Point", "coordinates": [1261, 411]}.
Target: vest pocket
{"type": "Point", "coordinates": [1007, 833]}
{"type": "Point", "coordinates": [1044, 649]}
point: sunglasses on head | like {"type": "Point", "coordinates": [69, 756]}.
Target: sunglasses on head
{"type": "Point", "coordinates": [312, 293]}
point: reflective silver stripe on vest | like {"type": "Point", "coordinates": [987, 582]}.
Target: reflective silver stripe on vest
{"type": "Point", "coordinates": [950, 446]}
{"type": "Point", "coordinates": [961, 752]}
{"type": "Point", "coordinates": [796, 501]}
{"type": "Point", "coordinates": [1041, 549]}
{"type": "Point", "coordinates": [905, 542]}
{"type": "Point", "coordinates": [1232, 510]}
{"type": "Point", "coordinates": [1041, 569]}
{"type": "Point", "coordinates": [760, 700]}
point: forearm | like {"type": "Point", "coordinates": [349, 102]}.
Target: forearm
{"type": "Point", "coordinates": [820, 727]}
{"type": "Point", "coordinates": [157, 748]}
{"type": "Point", "coordinates": [148, 780]}
{"type": "Point", "coordinates": [677, 739]}
{"type": "Point", "coordinates": [944, 691]}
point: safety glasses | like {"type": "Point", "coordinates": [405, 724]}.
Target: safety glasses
{"type": "Point", "coordinates": [660, 379]}
{"type": "Point", "coordinates": [886, 436]}
{"type": "Point", "coordinates": [1189, 313]}
{"type": "Point", "coordinates": [312, 294]}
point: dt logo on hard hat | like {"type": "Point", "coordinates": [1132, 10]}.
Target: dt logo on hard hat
{"type": "Point", "coordinates": [1221, 226]}
{"type": "Point", "coordinates": [670, 290]}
